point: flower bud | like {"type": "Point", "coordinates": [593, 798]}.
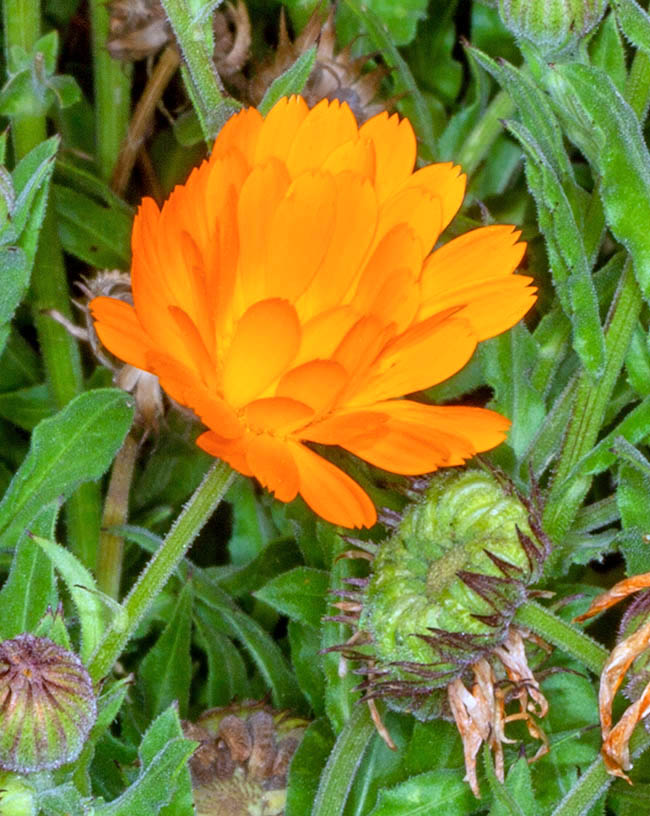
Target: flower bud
{"type": "Point", "coordinates": [47, 702]}
{"type": "Point", "coordinates": [552, 25]}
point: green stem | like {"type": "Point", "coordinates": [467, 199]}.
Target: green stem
{"type": "Point", "coordinates": [201, 78]}
{"type": "Point", "coordinates": [49, 289]}
{"type": "Point", "coordinates": [568, 489]}
{"type": "Point", "coordinates": [155, 575]}
{"type": "Point", "coordinates": [339, 772]}
{"type": "Point", "coordinates": [563, 635]}
{"type": "Point", "coordinates": [112, 86]}
{"type": "Point", "coordinates": [116, 509]}
{"type": "Point", "coordinates": [479, 142]}
{"type": "Point", "coordinates": [587, 790]}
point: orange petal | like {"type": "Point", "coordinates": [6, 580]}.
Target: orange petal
{"type": "Point", "coordinates": [276, 414]}
{"type": "Point", "coordinates": [416, 438]}
{"type": "Point", "coordinates": [350, 427]}
{"type": "Point", "coordinates": [280, 127]}
{"type": "Point", "coordinates": [232, 451]}
{"type": "Point", "coordinates": [356, 156]}
{"type": "Point", "coordinates": [349, 237]}
{"type": "Point", "coordinates": [302, 233]}
{"type": "Point", "coordinates": [261, 195]}
{"type": "Point", "coordinates": [330, 492]}
{"type": "Point", "coordinates": [185, 387]}
{"type": "Point", "coordinates": [242, 131]}
{"type": "Point", "coordinates": [326, 127]}
{"type": "Point", "coordinates": [478, 266]}
{"type": "Point", "coordinates": [196, 353]}
{"type": "Point", "coordinates": [484, 429]}
{"type": "Point", "coordinates": [119, 329]}
{"type": "Point", "coordinates": [264, 344]}
{"type": "Point", "coordinates": [617, 593]}
{"type": "Point", "coordinates": [322, 334]}
{"type": "Point", "coordinates": [446, 182]}
{"type": "Point", "coordinates": [424, 355]}
{"type": "Point", "coordinates": [317, 384]}
{"type": "Point", "coordinates": [416, 207]}
{"type": "Point", "coordinates": [272, 464]}
{"type": "Point", "coordinates": [395, 150]}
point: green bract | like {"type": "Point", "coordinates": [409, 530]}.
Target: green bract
{"type": "Point", "coordinates": [446, 584]}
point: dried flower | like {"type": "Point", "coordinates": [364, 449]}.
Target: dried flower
{"type": "Point", "coordinates": [47, 704]}
{"type": "Point", "coordinates": [633, 648]}
{"type": "Point", "coordinates": [433, 622]}
{"type": "Point", "coordinates": [240, 767]}
{"type": "Point", "coordinates": [286, 294]}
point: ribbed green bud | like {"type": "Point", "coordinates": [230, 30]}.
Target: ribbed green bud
{"type": "Point", "coordinates": [47, 704]}
{"type": "Point", "coordinates": [552, 25]}
{"type": "Point", "coordinates": [445, 586]}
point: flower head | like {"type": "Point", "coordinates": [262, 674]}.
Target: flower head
{"type": "Point", "coordinates": [286, 294]}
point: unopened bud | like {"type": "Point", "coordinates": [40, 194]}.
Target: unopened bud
{"type": "Point", "coordinates": [553, 26]}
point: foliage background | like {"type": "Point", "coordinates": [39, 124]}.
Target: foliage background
{"type": "Point", "coordinates": [553, 141]}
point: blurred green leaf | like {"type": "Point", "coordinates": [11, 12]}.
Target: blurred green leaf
{"type": "Point", "coordinates": [306, 766]}
{"type": "Point", "coordinates": [306, 662]}
{"type": "Point", "coordinates": [166, 670]}
{"type": "Point", "coordinates": [299, 594]}
{"type": "Point", "coordinates": [226, 679]}
{"type": "Point", "coordinates": [26, 407]}
{"type": "Point", "coordinates": [30, 588]}
{"type": "Point", "coordinates": [292, 81]}
{"type": "Point", "coordinates": [76, 445]}
{"type": "Point", "coordinates": [97, 234]}
{"type": "Point", "coordinates": [632, 498]}
{"type": "Point", "coordinates": [398, 20]}
{"type": "Point", "coordinates": [19, 364]}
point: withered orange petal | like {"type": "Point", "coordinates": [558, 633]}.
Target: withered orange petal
{"type": "Point", "coordinates": [271, 462]}
{"type": "Point", "coordinates": [426, 354]}
{"type": "Point", "coordinates": [316, 383]}
{"type": "Point", "coordinates": [264, 344]}
{"type": "Point", "coordinates": [232, 451]}
{"type": "Point", "coordinates": [242, 132]}
{"type": "Point", "coordinates": [119, 329]}
{"type": "Point", "coordinates": [280, 127]}
{"type": "Point", "coordinates": [330, 492]}
{"type": "Point", "coordinates": [395, 150]}
{"type": "Point", "coordinates": [326, 127]}
{"type": "Point", "coordinates": [444, 180]}
{"type": "Point", "coordinates": [277, 414]}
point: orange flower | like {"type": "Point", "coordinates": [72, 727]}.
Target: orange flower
{"type": "Point", "coordinates": [287, 295]}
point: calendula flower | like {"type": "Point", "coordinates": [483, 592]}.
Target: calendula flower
{"type": "Point", "coordinates": [287, 295]}
{"type": "Point", "coordinates": [632, 649]}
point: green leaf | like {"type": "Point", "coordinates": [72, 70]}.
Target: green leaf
{"type": "Point", "coordinates": [30, 589]}
{"type": "Point", "coordinates": [607, 130]}
{"type": "Point", "coordinates": [299, 594]}
{"type": "Point", "coordinates": [637, 363]}
{"type": "Point", "coordinates": [83, 590]}
{"type": "Point", "coordinates": [26, 407]}
{"type": "Point", "coordinates": [398, 20]}
{"type": "Point", "coordinates": [14, 279]}
{"type": "Point", "coordinates": [634, 22]}
{"type": "Point", "coordinates": [227, 679]}
{"type": "Point", "coordinates": [292, 81]}
{"type": "Point", "coordinates": [64, 800]}
{"type": "Point", "coordinates": [515, 797]}
{"type": "Point", "coordinates": [306, 662]}
{"type": "Point", "coordinates": [166, 670]}
{"type": "Point", "coordinates": [164, 777]}
{"type": "Point", "coordinates": [93, 232]}
{"type": "Point", "coordinates": [76, 445]}
{"type": "Point", "coordinates": [607, 52]}
{"type": "Point", "coordinates": [52, 626]}
{"type": "Point", "coordinates": [424, 794]}
{"type": "Point", "coordinates": [306, 766]}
